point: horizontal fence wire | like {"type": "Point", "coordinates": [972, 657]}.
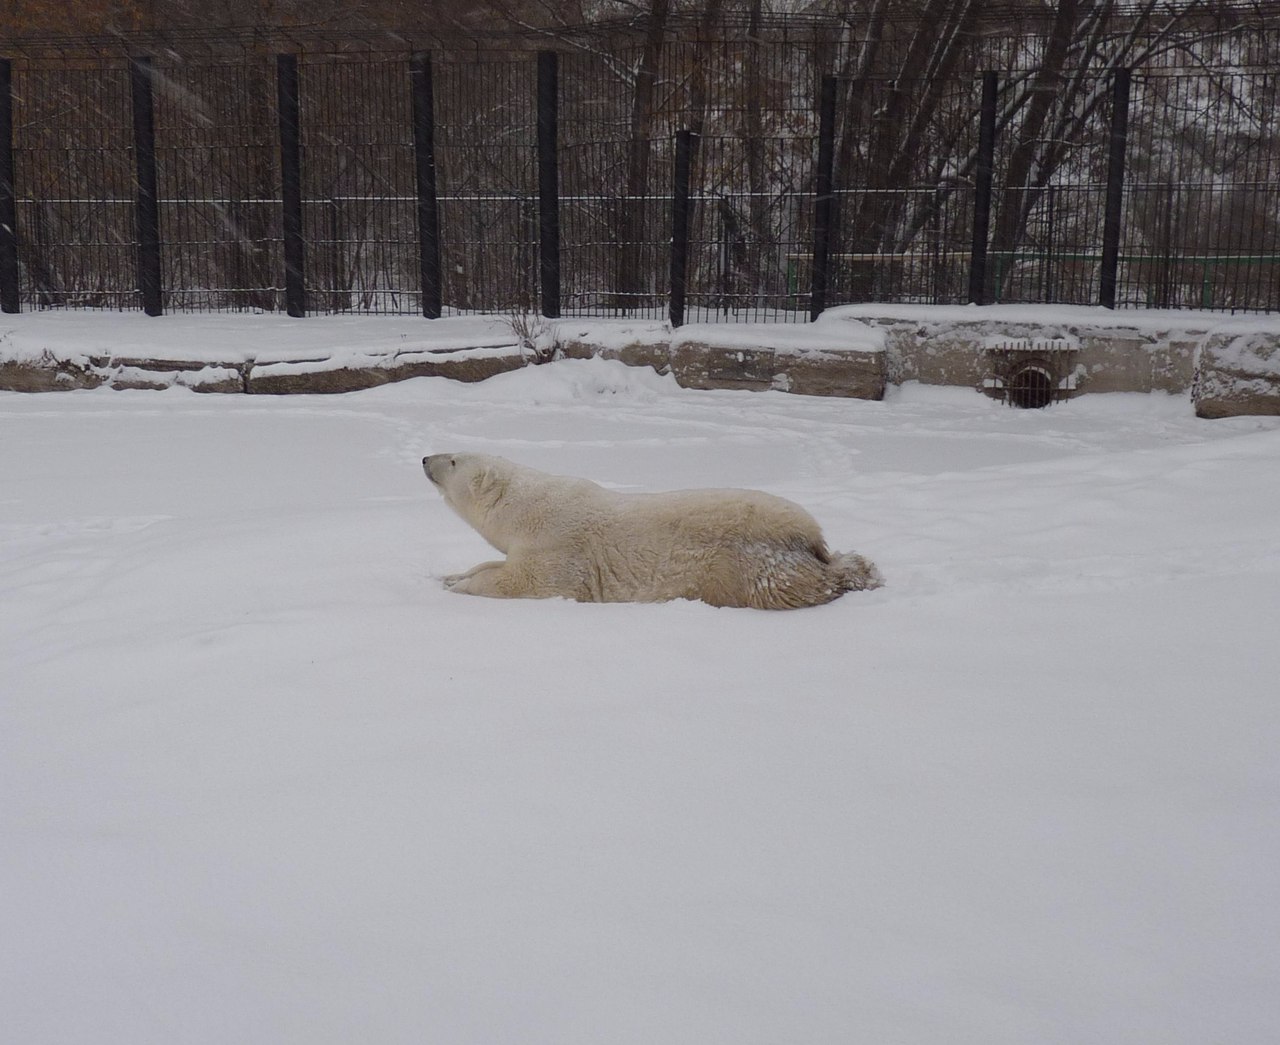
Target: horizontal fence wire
{"type": "Point", "coordinates": [1200, 210]}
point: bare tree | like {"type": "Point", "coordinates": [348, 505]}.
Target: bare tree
{"type": "Point", "coordinates": [631, 232]}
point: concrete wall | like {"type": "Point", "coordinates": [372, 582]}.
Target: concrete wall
{"type": "Point", "coordinates": [1106, 360]}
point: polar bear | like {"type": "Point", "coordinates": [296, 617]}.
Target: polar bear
{"type": "Point", "coordinates": [574, 539]}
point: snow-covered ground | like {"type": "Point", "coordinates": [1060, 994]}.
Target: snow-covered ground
{"type": "Point", "coordinates": [262, 780]}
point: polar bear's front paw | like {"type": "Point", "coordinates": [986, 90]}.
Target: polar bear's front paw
{"type": "Point", "coordinates": [496, 581]}
{"type": "Point", "coordinates": [455, 581]}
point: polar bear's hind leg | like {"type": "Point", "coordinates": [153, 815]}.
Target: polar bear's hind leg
{"type": "Point", "coordinates": [856, 572]}
{"type": "Point", "coordinates": [797, 573]}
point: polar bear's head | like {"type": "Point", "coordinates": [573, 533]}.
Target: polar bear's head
{"type": "Point", "coordinates": [464, 478]}
{"type": "Point", "coordinates": [471, 484]}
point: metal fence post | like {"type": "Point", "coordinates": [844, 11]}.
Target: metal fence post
{"type": "Point", "coordinates": [680, 226]}
{"type": "Point", "coordinates": [295, 293]}
{"type": "Point", "coordinates": [548, 183]}
{"type": "Point", "coordinates": [982, 190]}
{"type": "Point", "coordinates": [824, 199]}
{"type": "Point", "coordinates": [10, 298]}
{"type": "Point", "coordinates": [1115, 189]}
{"type": "Point", "coordinates": [148, 206]}
{"type": "Point", "coordinates": [424, 149]}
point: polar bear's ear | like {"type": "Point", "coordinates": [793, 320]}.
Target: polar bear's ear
{"type": "Point", "coordinates": [484, 479]}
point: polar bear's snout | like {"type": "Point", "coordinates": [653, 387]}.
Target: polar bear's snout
{"type": "Point", "coordinates": [440, 467]}
{"type": "Point", "coordinates": [435, 464]}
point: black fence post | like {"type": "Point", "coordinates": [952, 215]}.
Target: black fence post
{"type": "Point", "coordinates": [1115, 189]}
{"type": "Point", "coordinates": [295, 292]}
{"type": "Point", "coordinates": [548, 183]}
{"type": "Point", "coordinates": [680, 226]}
{"type": "Point", "coordinates": [10, 298]}
{"type": "Point", "coordinates": [982, 190]}
{"type": "Point", "coordinates": [424, 150]}
{"type": "Point", "coordinates": [148, 205]}
{"type": "Point", "coordinates": [824, 199]}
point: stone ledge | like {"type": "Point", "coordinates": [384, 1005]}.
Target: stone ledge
{"type": "Point", "coordinates": [46, 375]}
{"type": "Point", "coordinates": [1115, 359]}
{"type": "Point", "coordinates": [829, 359]}
{"type": "Point", "coordinates": [852, 374]}
{"type": "Point", "coordinates": [1229, 365]}
{"type": "Point", "coordinates": [286, 378]}
{"type": "Point", "coordinates": [655, 354]}
{"type": "Point", "coordinates": [1238, 375]}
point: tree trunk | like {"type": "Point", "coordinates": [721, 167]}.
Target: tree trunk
{"type": "Point", "coordinates": [893, 153]}
{"type": "Point", "coordinates": [1018, 196]}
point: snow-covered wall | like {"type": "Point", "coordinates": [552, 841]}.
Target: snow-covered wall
{"type": "Point", "coordinates": [1238, 373]}
{"type": "Point", "coordinates": [1114, 351]}
{"type": "Point", "coordinates": [1229, 364]}
{"type": "Point", "coordinates": [1230, 361]}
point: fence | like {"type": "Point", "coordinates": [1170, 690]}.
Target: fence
{"type": "Point", "coordinates": [747, 178]}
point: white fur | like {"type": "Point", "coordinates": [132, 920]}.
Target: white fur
{"type": "Point", "coordinates": [571, 538]}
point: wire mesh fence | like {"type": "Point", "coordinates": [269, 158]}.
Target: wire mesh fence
{"type": "Point", "coordinates": [485, 155]}
{"type": "Point", "coordinates": [1203, 228]}
{"type": "Point", "coordinates": [219, 185]}
{"type": "Point", "coordinates": [1198, 192]}
{"type": "Point", "coordinates": [357, 186]}
{"type": "Point", "coordinates": [75, 210]}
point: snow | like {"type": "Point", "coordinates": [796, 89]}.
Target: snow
{"type": "Point", "coordinates": [266, 781]}
{"type": "Point", "coordinates": [1250, 353]}
{"type": "Point", "coordinates": [613, 334]}
{"type": "Point", "coordinates": [1068, 317]}
{"type": "Point", "coordinates": [242, 337]}
{"type": "Point", "coordinates": [830, 333]}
